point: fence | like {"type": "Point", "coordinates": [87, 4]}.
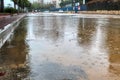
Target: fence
{"type": "Point", "coordinates": [70, 8]}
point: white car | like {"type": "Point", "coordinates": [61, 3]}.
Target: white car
{"type": "Point", "coordinates": [46, 11]}
{"type": "Point", "coordinates": [60, 11]}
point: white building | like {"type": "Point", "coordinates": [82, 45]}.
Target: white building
{"type": "Point", "coordinates": [56, 2]}
{"type": "Point", "coordinates": [47, 1]}
{"type": "Point", "coordinates": [40, 1]}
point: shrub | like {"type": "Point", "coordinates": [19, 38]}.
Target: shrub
{"type": "Point", "coordinates": [10, 10]}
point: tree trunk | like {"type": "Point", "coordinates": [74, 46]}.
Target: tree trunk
{"type": "Point", "coordinates": [1, 5]}
{"type": "Point", "coordinates": [14, 5]}
{"type": "Point", "coordinates": [18, 6]}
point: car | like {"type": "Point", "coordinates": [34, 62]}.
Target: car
{"type": "Point", "coordinates": [46, 11]}
{"type": "Point", "coordinates": [60, 11]}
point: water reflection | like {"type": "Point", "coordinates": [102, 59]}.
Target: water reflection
{"type": "Point", "coordinates": [55, 39]}
{"type": "Point", "coordinates": [101, 40]}
{"type": "Point", "coordinates": [75, 42]}
{"type": "Point", "coordinates": [13, 56]}
{"type": "Point", "coordinates": [85, 31]}
{"type": "Point", "coordinates": [47, 27]}
{"type": "Point", "coordinates": [99, 36]}
{"type": "Point", "coordinates": [113, 42]}
{"type": "Point", "coordinates": [63, 48]}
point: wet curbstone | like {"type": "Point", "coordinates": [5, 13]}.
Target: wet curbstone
{"type": "Point", "coordinates": [8, 29]}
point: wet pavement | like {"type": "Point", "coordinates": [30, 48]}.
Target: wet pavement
{"type": "Point", "coordinates": [62, 47]}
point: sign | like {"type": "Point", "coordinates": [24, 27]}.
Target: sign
{"type": "Point", "coordinates": [78, 7]}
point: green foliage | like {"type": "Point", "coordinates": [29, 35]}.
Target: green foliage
{"type": "Point", "coordinates": [22, 3]}
{"type": "Point", "coordinates": [10, 10]}
{"type": "Point", "coordinates": [37, 5]}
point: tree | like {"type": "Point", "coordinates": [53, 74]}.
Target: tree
{"type": "Point", "coordinates": [38, 6]}
{"type": "Point", "coordinates": [15, 3]}
{"type": "Point", "coordinates": [21, 4]}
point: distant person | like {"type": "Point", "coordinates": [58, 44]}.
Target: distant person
{"type": "Point", "coordinates": [76, 9]}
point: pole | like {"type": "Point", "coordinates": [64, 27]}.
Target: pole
{"type": "Point", "coordinates": [73, 4]}
{"type": "Point", "coordinates": [18, 6]}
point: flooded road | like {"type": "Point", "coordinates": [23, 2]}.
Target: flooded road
{"type": "Point", "coordinates": [62, 48]}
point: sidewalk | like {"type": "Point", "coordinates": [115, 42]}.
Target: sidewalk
{"type": "Point", "coordinates": [112, 12]}
{"type": "Point", "coordinates": [7, 19]}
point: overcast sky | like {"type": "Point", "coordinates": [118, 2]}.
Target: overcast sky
{"type": "Point", "coordinates": [6, 2]}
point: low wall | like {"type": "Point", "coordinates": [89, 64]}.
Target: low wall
{"type": "Point", "coordinates": [101, 12]}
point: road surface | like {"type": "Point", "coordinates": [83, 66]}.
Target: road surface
{"type": "Point", "coordinates": [63, 47]}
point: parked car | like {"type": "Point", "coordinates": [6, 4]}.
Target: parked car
{"type": "Point", "coordinates": [47, 11]}
{"type": "Point", "coordinates": [60, 11]}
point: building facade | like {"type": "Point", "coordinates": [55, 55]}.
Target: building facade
{"type": "Point", "coordinates": [56, 2]}
{"type": "Point", "coordinates": [47, 1]}
{"type": "Point", "coordinates": [40, 1]}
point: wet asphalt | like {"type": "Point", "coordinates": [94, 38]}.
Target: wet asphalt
{"type": "Point", "coordinates": [63, 47]}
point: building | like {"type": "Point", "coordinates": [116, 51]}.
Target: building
{"type": "Point", "coordinates": [47, 1]}
{"type": "Point", "coordinates": [40, 1]}
{"type": "Point", "coordinates": [56, 2]}
{"type": "Point", "coordinates": [83, 1]}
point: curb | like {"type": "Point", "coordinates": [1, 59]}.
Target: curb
{"type": "Point", "coordinates": [6, 32]}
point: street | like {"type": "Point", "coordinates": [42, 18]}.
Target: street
{"type": "Point", "coordinates": [63, 47]}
